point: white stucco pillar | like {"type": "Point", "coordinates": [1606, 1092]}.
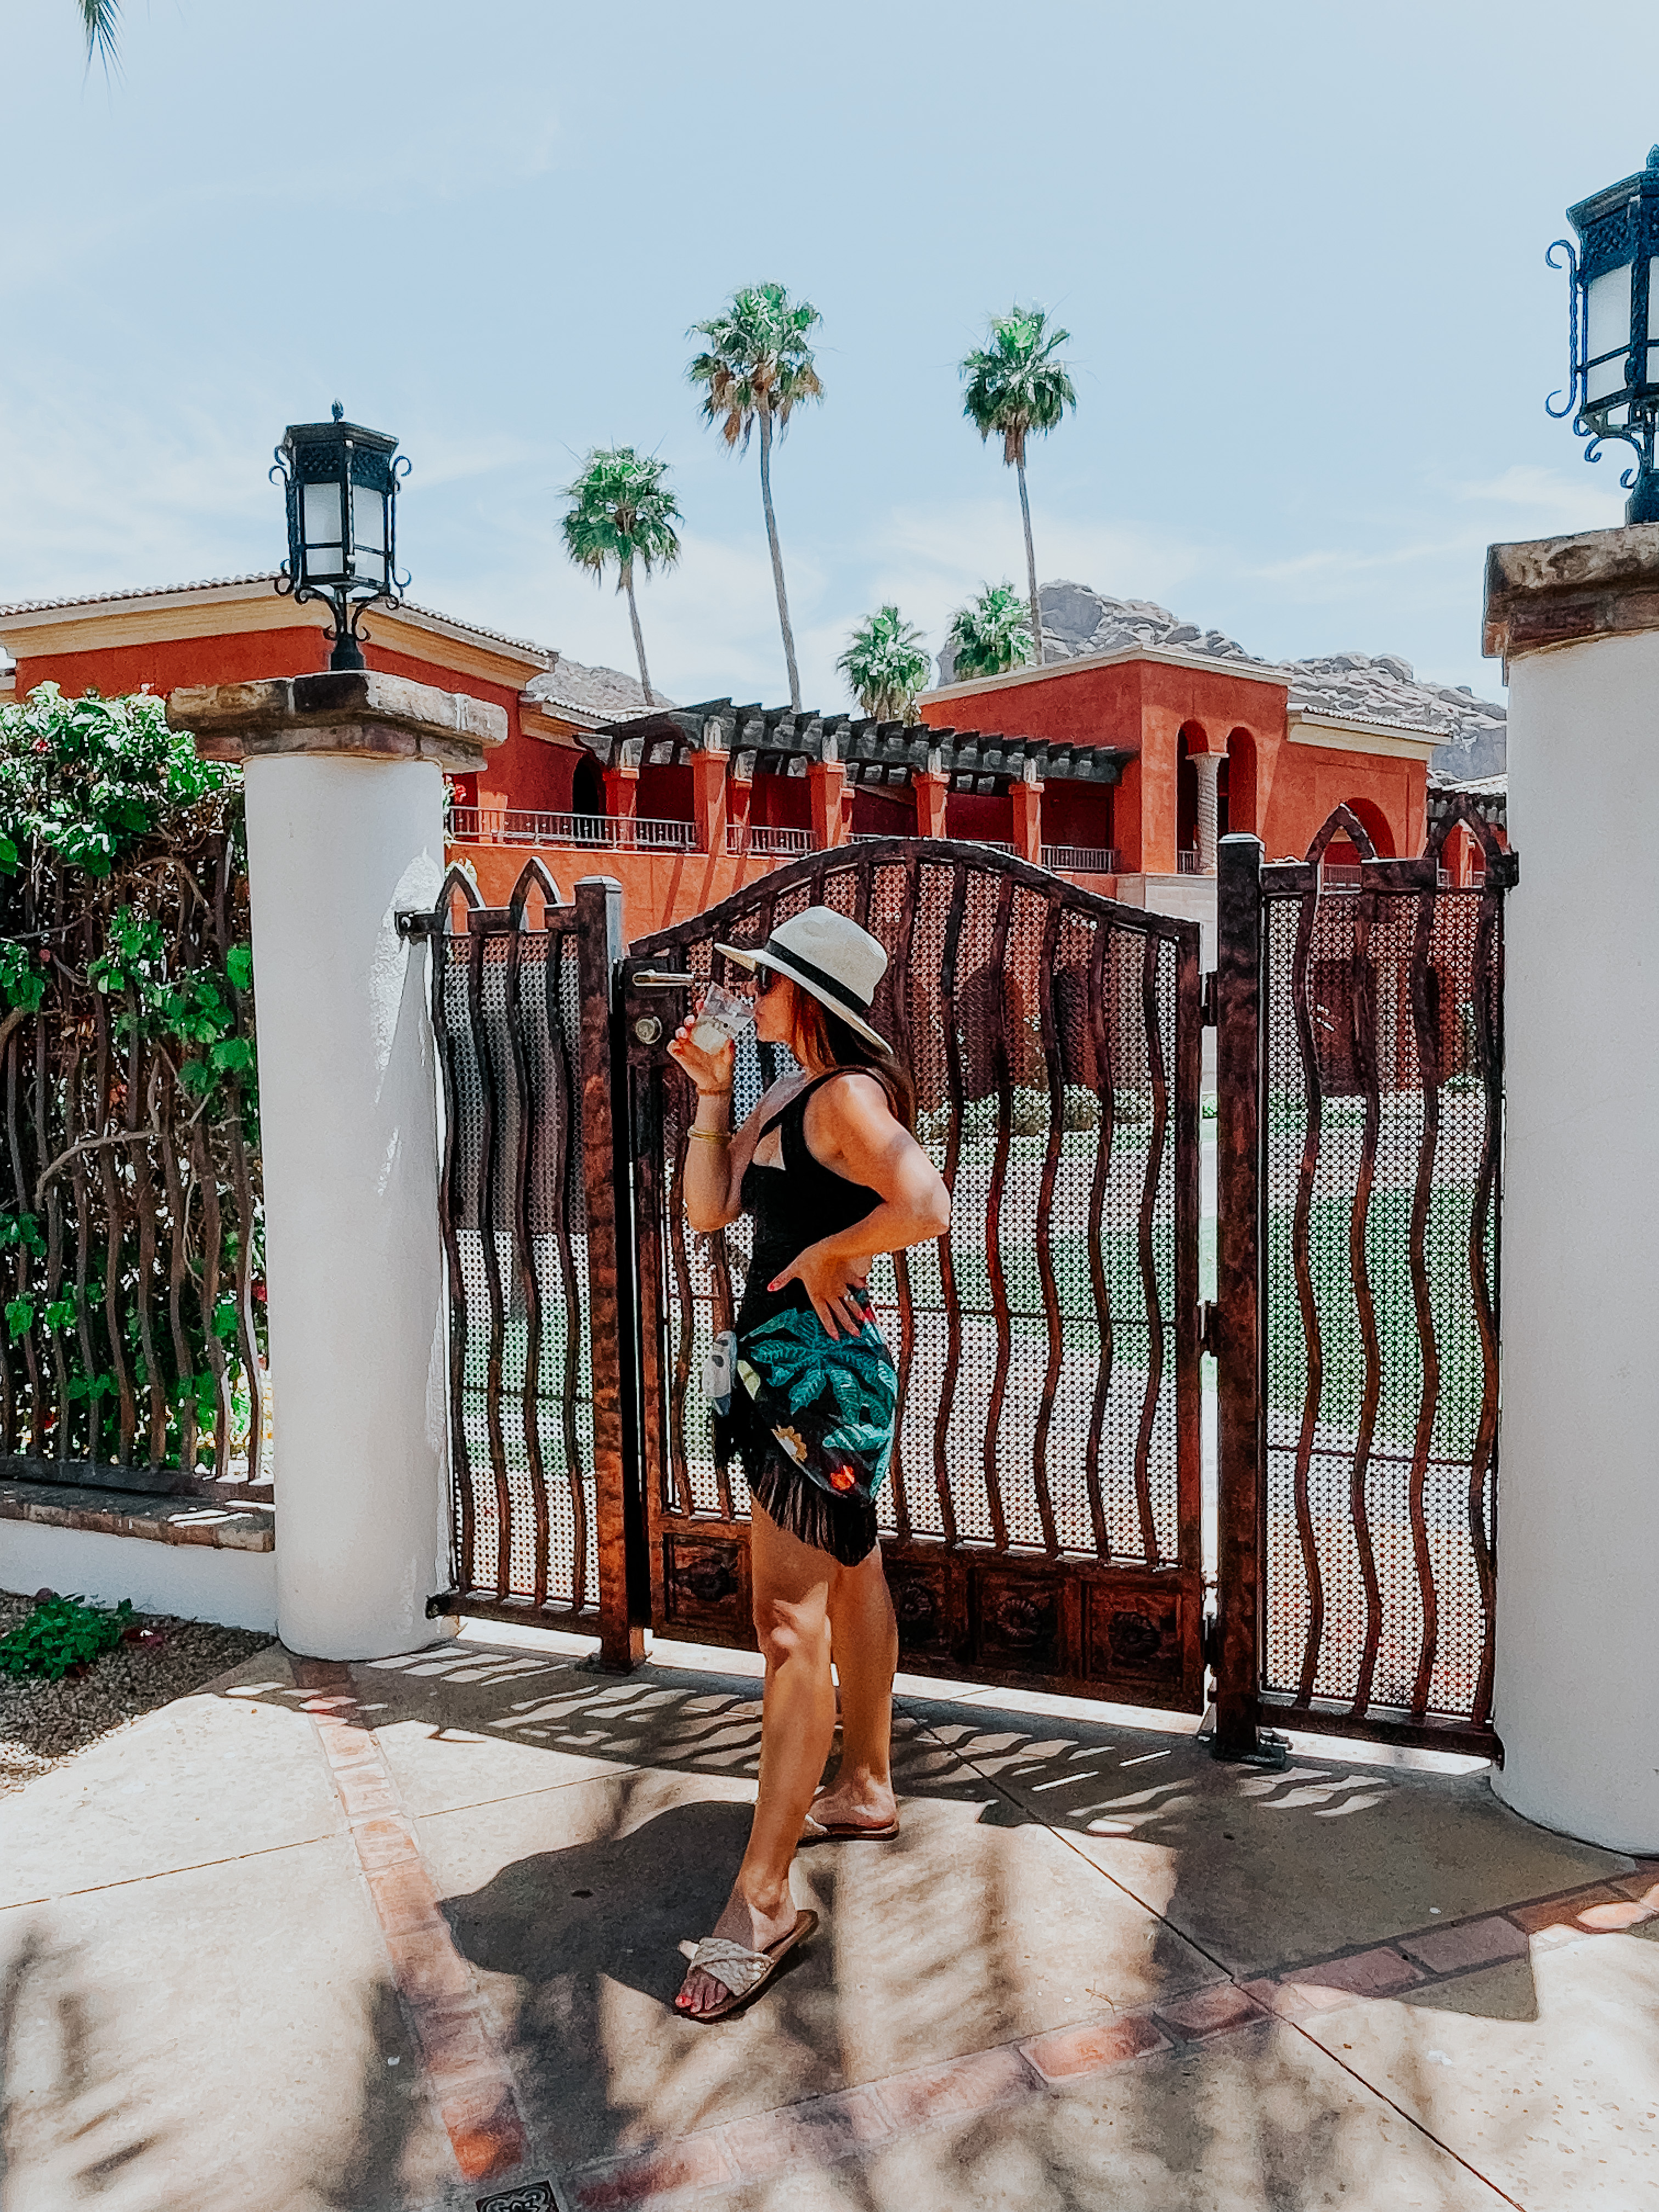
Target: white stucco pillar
{"type": "Point", "coordinates": [345, 790]}
{"type": "Point", "coordinates": [1578, 620]}
{"type": "Point", "coordinates": [1208, 768]}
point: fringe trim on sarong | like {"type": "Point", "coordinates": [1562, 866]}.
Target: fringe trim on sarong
{"type": "Point", "coordinates": [840, 1526]}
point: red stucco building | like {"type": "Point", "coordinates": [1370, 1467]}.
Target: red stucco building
{"type": "Point", "coordinates": [1117, 769]}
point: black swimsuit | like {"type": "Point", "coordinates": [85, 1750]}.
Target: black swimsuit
{"type": "Point", "coordinates": [794, 1205]}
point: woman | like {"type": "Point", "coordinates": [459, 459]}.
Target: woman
{"type": "Point", "coordinates": [827, 1166]}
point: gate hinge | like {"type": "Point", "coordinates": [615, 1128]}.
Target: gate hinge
{"type": "Point", "coordinates": [1206, 999]}
{"type": "Point", "coordinates": [1209, 1328]}
{"type": "Point", "coordinates": [414, 924]}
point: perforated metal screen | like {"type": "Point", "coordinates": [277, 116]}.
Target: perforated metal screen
{"type": "Point", "coordinates": [1382, 1123]}
{"type": "Point", "coordinates": [506, 1014]}
{"type": "Point", "coordinates": [1042, 1347]}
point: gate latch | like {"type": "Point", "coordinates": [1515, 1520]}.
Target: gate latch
{"type": "Point", "coordinates": [1209, 1328]}
{"type": "Point", "coordinates": [1207, 1011]}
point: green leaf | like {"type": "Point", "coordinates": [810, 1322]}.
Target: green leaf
{"type": "Point", "coordinates": [19, 1317]}
{"type": "Point", "coordinates": [233, 1056]}
{"type": "Point", "coordinates": [238, 966]}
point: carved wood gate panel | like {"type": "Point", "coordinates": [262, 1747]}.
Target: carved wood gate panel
{"type": "Point", "coordinates": [1042, 1520]}
{"type": "Point", "coordinates": [1361, 1126]}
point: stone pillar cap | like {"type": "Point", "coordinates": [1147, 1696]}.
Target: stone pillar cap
{"type": "Point", "coordinates": [1546, 592]}
{"type": "Point", "coordinates": [354, 712]}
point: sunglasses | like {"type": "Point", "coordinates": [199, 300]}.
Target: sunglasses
{"type": "Point", "coordinates": [765, 979]}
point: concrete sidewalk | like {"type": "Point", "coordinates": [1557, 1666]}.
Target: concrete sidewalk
{"type": "Point", "coordinates": [402, 1935]}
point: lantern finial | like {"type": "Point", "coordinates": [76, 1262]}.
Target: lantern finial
{"type": "Point", "coordinates": [340, 481]}
{"type": "Point", "coordinates": [1612, 321]}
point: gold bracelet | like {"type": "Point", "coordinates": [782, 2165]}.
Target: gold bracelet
{"type": "Point", "coordinates": [713, 1136]}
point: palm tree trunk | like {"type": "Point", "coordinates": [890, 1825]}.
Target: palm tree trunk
{"type": "Point", "coordinates": [639, 634]}
{"type": "Point", "coordinates": [777, 559]}
{"type": "Point", "coordinates": [1030, 561]}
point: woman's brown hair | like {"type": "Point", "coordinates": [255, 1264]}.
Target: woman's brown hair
{"type": "Point", "coordinates": [816, 1034]}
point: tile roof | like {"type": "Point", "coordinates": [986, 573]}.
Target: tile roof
{"type": "Point", "coordinates": [264, 576]}
{"type": "Point", "coordinates": [596, 693]}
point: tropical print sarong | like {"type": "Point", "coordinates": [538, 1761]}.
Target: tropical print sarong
{"type": "Point", "coordinates": [829, 1402]}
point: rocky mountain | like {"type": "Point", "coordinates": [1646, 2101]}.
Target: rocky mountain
{"type": "Point", "coordinates": [1380, 687]}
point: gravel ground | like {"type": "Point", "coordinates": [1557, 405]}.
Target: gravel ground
{"type": "Point", "coordinates": [43, 1723]}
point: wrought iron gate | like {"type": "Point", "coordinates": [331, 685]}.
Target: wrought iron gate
{"type": "Point", "coordinates": [527, 1198]}
{"type": "Point", "coordinates": [1041, 1518]}
{"type": "Point", "coordinates": [1360, 1053]}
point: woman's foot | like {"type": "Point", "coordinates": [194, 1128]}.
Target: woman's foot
{"type": "Point", "coordinates": [740, 1923]}
{"type": "Point", "coordinates": [854, 1802]}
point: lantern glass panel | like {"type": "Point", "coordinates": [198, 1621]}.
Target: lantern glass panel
{"type": "Point", "coordinates": [320, 521]}
{"type": "Point", "coordinates": [368, 533]}
{"type": "Point", "coordinates": [1607, 333]}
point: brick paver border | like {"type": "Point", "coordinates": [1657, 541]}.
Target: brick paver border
{"type": "Point", "coordinates": [468, 2076]}
{"type": "Point", "coordinates": [824, 2131]}
{"type": "Point", "coordinates": [478, 2099]}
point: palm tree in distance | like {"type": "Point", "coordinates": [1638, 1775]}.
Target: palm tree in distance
{"type": "Point", "coordinates": [100, 20]}
{"type": "Point", "coordinates": [1015, 385]}
{"type": "Point", "coordinates": [757, 368]}
{"type": "Point", "coordinates": [988, 636]}
{"type": "Point", "coordinates": [621, 510]}
{"type": "Point", "coordinates": [886, 665]}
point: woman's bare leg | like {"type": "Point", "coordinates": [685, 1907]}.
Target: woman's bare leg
{"type": "Point", "coordinates": [864, 1643]}
{"type": "Point", "coordinates": [792, 1583]}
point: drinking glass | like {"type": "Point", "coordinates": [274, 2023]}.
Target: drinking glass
{"type": "Point", "coordinates": [722, 1018]}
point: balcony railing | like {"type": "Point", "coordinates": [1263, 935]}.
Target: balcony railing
{"type": "Point", "coordinates": [1189, 864]}
{"type": "Point", "coordinates": [1340, 876]}
{"type": "Point", "coordinates": [742, 837]}
{"type": "Point", "coordinates": [1082, 860]}
{"type": "Point", "coordinates": [610, 833]}
{"type": "Point", "coordinates": [1448, 882]}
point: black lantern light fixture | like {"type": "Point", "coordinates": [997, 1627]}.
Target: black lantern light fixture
{"type": "Point", "coordinates": [341, 484]}
{"type": "Point", "coordinates": [1612, 312]}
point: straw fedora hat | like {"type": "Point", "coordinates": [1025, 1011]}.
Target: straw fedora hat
{"type": "Point", "coordinates": [829, 957]}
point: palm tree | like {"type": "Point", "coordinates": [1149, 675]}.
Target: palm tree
{"type": "Point", "coordinates": [886, 665]}
{"type": "Point", "coordinates": [621, 510]}
{"type": "Point", "coordinates": [989, 635]}
{"type": "Point", "coordinates": [757, 368]}
{"type": "Point", "coordinates": [100, 20]}
{"type": "Point", "coordinates": [1016, 385]}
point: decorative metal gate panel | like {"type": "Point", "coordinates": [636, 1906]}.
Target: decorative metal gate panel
{"type": "Point", "coordinates": [1361, 1138]}
{"type": "Point", "coordinates": [521, 1011]}
{"type": "Point", "coordinates": [1042, 1517]}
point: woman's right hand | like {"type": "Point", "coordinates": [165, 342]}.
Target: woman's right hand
{"type": "Point", "coordinates": [709, 1071]}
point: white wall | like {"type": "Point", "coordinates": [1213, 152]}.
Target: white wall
{"type": "Point", "coordinates": [1579, 1480]}
{"type": "Point", "coordinates": [348, 1110]}
{"type": "Point", "coordinates": [236, 1589]}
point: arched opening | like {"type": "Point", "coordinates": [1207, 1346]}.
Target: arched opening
{"type": "Point", "coordinates": [1374, 823]}
{"type": "Point", "coordinates": [587, 786]}
{"type": "Point", "coordinates": [1192, 739]}
{"type": "Point", "coordinates": [1238, 810]}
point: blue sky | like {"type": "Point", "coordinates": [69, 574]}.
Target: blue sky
{"type": "Point", "coordinates": [1299, 248]}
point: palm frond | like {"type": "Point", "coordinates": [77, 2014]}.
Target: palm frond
{"type": "Point", "coordinates": [758, 360]}
{"type": "Point", "coordinates": [100, 21]}
{"type": "Point", "coordinates": [621, 511]}
{"type": "Point", "coordinates": [1016, 384]}
{"type": "Point", "coordinates": [989, 635]}
{"type": "Point", "coordinates": [886, 665]}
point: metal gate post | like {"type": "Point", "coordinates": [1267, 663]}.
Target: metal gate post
{"type": "Point", "coordinates": [599, 951]}
{"type": "Point", "coordinates": [1239, 1168]}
